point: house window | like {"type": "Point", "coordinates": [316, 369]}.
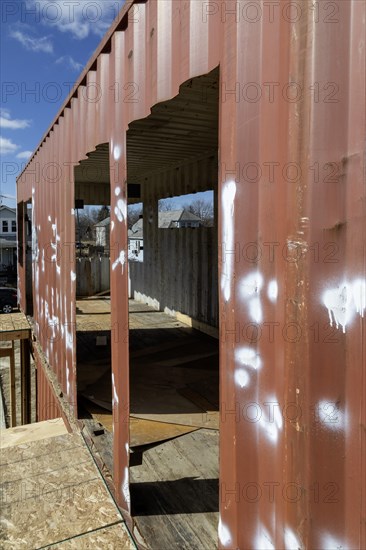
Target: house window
{"type": "Point", "coordinates": [13, 226]}
{"type": "Point", "coordinates": [5, 226]}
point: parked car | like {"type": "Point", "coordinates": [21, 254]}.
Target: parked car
{"type": "Point", "coordinates": [8, 299]}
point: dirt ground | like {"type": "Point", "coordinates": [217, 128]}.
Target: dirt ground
{"type": "Point", "coordinates": [5, 385]}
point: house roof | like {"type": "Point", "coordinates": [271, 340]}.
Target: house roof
{"type": "Point", "coordinates": [103, 223]}
{"type": "Point", "coordinates": [165, 221]}
{"type": "Point", "coordinates": [136, 231]}
{"type": "Point", "coordinates": [182, 215]}
{"type": "Point", "coordinates": [4, 207]}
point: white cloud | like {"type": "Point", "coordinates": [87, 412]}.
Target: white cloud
{"type": "Point", "coordinates": [35, 44]}
{"type": "Point", "coordinates": [14, 124]}
{"type": "Point", "coordinates": [70, 61]}
{"type": "Point", "coordinates": [80, 18]}
{"type": "Point", "coordinates": [24, 155]}
{"type": "Point", "coordinates": [7, 146]}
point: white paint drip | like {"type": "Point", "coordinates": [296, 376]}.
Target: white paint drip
{"type": "Point", "coordinates": [291, 541]}
{"type": "Point", "coordinates": [224, 534]}
{"type": "Point", "coordinates": [117, 191]}
{"type": "Point", "coordinates": [72, 211]}
{"type": "Point", "coordinates": [272, 290]}
{"type": "Point", "coordinates": [73, 276]}
{"type": "Point", "coordinates": [112, 225]}
{"type": "Point", "coordinates": [49, 218]}
{"type": "Point", "coordinates": [120, 260]}
{"type": "Point", "coordinates": [359, 295]}
{"type": "Point", "coordinates": [345, 301]}
{"type": "Point", "coordinates": [228, 196]}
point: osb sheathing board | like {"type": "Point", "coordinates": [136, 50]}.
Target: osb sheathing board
{"type": "Point", "coordinates": [291, 207]}
{"type": "Point", "coordinates": [52, 494]}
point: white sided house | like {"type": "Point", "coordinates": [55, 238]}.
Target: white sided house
{"type": "Point", "coordinates": [8, 237]}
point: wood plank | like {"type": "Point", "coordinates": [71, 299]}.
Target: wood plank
{"type": "Point", "coordinates": [32, 432]}
{"type": "Point", "coordinates": [175, 492]}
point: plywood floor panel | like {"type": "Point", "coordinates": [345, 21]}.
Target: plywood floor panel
{"type": "Point", "coordinates": [174, 493]}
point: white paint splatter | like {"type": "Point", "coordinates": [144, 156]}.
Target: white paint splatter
{"type": "Point", "coordinates": [228, 197]}
{"type": "Point", "coordinates": [72, 211]}
{"type": "Point", "coordinates": [73, 276]}
{"type": "Point", "coordinates": [242, 378]}
{"type": "Point", "coordinates": [329, 542]}
{"type": "Point", "coordinates": [126, 487]}
{"type": "Point", "coordinates": [248, 357]}
{"type": "Point", "coordinates": [272, 291]}
{"type": "Point", "coordinates": [115, 396]}
{"type": "Point", "coordinates": [250, 289]}
{"type": "Point", "coordinates": [251, 285]}
{"type": "Point", "coordinates": [224, 534]}
{"type": "Point", "coordinates": [271, 423]}
{"type": "Point", "coordinates": [49, 218]}
{"type": "Point", "coordinates": [331, 416]}
{"type": "Point", "coordinates": [255, 310]}
{"type": "Point", "coordinates": [263, 540]}
{"type": "Point", "coordinates": [117, 191]}
{"type": "Point", "coordinates": [120, 210]}
{"type": "Point", "coordinates": [67, 379]}
{"type": "Point", "coordinates": [112, 225]}
{"type": "Point", "coordinates": [117, 151]}
{"type": "Point", "coordinates": [291, 541]}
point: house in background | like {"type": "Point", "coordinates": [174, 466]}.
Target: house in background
{"type": "Point", "coordinates": [178, 219]}
{"type": "Point", "coordinates": [170, 219]}
{"type": "Point", "coordinates": [102, 231]}
{"type": "Point", "coordinates": [8, 237]}
{"type": "Point", "coordinates": [136, 241]}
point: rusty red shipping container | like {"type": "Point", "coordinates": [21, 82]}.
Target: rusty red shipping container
{"type": "Point", "coordinates": [292, 254]}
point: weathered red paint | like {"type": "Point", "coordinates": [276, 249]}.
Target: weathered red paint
{"type": "Point", "coordinates": [321, 213]}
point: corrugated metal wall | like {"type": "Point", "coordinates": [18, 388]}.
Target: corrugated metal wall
{"type": "Point", "coordinates": [48, 407]}
{"type": "Point", "coordinates": [292, 110]}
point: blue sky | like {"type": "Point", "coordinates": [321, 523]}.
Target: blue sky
{"type": "Point", "coordinates": [44, 46]}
